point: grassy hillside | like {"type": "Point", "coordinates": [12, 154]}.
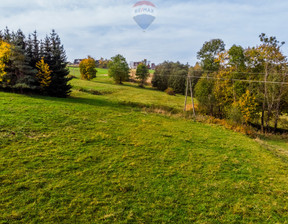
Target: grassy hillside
{"type": "Point", "coordinates": [75, 71]}
{"type": "Point", "coordinates": [129, 93]}
{"type": "Point", "coordinates": [102, 159]}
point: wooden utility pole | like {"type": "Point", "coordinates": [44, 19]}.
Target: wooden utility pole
{"type": "Point", "coordinates": [192, 98]}
{"type": "Point", "coordinates": [189, 83]}
{"type": "Point", "coordinates": [186, 95]}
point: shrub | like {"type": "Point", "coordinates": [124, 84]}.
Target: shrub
{"type": "Point", "coordinates": [235, 114]}
{"type": "Point", "coordinates": [170, 91]}
{"type": "Point", "coordinates": [71, 77]}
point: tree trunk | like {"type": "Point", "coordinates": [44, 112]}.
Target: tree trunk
{"type": "Point", "coordinates": [267, 121]}
{"type": "Point", "coordinates": [276, 125]}
{"type": "Point", "coordinates": [277, 109]}
{"type": "Point", "coordinates": [265, 98]}
{"type": "Point", "coordinates": [263, 118]}
{"type": "Point", "coordinates": [186, 95]}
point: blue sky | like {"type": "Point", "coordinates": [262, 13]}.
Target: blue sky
{"type": "Point", "coordinates": [105, 28]}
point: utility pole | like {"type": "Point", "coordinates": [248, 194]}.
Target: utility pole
{"type": "Point", "coordinates": [189, 83]}
{"type": "Point", "coordinates": [186, 95]}
{"type": "Point", "coordinates": [192, 98]}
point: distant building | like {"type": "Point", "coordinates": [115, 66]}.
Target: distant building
{"type": "Point", "coordinates": [134, 65]}
{"type": "Point", "coordinates": [77, 61]}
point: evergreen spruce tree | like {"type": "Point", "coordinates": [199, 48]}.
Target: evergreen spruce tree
{"type": "Point", "coordinates": [29, 50]}
{"type": "Point", "coordinates": [20, 73]}
{"type": "Point", "coordinates": [7, 35]}
{"type": "Point", "coordinates": [55, 56]}
{"type": "Point", "coordinates": [21, 69]}
{"type": "Point", "coordinates": [35, 49]}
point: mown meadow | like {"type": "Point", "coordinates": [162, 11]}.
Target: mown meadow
{"type": "Point", "coordinates": [122, 154]}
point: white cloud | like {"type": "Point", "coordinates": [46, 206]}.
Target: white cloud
{"type": "Point", "coordinates": [105, 28]}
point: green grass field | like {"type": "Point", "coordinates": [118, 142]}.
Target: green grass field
{"type": "Point", "coordinates": [106, 159]}
{"type": "Point", "coordinates": [75, 71]}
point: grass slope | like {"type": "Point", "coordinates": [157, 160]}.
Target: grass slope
{"type": "Point", "coordinates": [75, 71]}
{"type": "Point", "coordinates": [129, 93]}
{"type": "Point", "coordinates": [94, 159]}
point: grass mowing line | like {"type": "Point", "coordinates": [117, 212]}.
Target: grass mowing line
{"type": "Point", "coordinates": [275, 149]}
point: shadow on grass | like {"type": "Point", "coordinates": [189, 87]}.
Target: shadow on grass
{"type": "Point", "coordinates": [126, 84]}
{"type": "Point", "coordinates": [99, 102]}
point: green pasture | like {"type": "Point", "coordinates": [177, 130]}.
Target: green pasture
{"type": "Point", "coordinates": [104, 156]}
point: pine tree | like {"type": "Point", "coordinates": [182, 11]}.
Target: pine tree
{"type": "Point", "coordinates": [35, 48]}
{"type": "Point", "coordinates": [7, 35]}
{"type": "Point", "coordinates": [19, 71]}
{"type": "Point", "coordinates": [55, 56]}
{"type": "Point", "coordinates": [142, 73]}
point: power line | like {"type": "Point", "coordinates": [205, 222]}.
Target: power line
{"type": "Point", "coordinates": [240, 80]}
{"type": "Point", "coordinates": [237, 72]}
{"type": "Point", "coordinates": [226, 79]}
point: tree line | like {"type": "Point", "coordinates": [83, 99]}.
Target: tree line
{"type": "Point", "coordinates": [29, 64]}
{"type": "Point", "coordinates": [245, 85]}
{"type": "Point", "coordinates": [240, 84]}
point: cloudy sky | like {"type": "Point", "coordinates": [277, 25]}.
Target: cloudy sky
{"type": "Point", "coordinates": [104, 28]}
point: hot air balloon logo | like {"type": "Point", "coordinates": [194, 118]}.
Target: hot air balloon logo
{"type": "Point", "coordinates": [144, 13]}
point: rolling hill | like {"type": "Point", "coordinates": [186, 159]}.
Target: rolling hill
{"type": "Point", "coordinates": [104, 156]}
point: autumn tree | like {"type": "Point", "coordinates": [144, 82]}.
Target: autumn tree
{"type": "Point", "coordinates": [243, 83]}
{"type": "Point", "coordinates": [5, 51]}
{"type": "Point", "coordinates": [44, 74]}
{"type": "Point", "coordinates": [271, 66]}
{"type": "Point", "coordinates": [88, 68]}
{"type": "Point", "coordinates": [142, 73]}
{"type": "Point", "coordinates": [248, 106]}
{"type": "Point", "coordinates": [118, 69]}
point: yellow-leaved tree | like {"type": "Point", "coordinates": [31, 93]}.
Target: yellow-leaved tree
{"type": "Point", "coordinates": [248, 106]}
{"type": "Point", "coordinates": [44, 73]}
{"type": "Point", "coordinates": [5, 52]}
{"type": "Point", "coordinates": [88, 68]}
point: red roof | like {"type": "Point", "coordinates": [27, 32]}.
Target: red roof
{"type": "Point", "coordinates": [144, 3]}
